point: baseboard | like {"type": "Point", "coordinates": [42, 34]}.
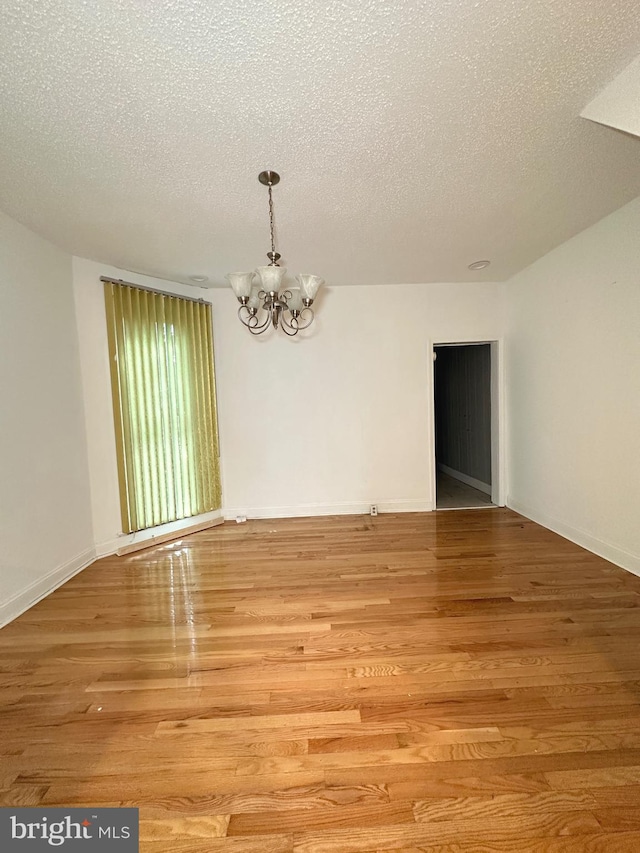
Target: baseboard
{"type": "Point", "coordinates": [309, 510]}
{"type": "Point", "coordinates": [42, 587]}
{"type": "Point", "coordinates": [168, 537]}
{"type": "Point", "coordinates": [624, 559]}
{"type": "Point", "coordinates": [465, 478]}
{"type": "Point", "coordinates": [153, 536]}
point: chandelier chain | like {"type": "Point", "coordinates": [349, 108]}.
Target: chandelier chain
{"type": "Point", "coordinates": [273, 245]}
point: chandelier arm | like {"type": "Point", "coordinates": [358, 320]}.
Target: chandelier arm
{"type": "Point", "coordinates": [253, 317]}
{"type": "Point", "coordinates": [258, 330]}
{"type": "Point", "coordinates": [285, 326]}
{"type": "Point", "coordinates": [306, 323]}
{"type": "Point", "coordinates": [249, 316]}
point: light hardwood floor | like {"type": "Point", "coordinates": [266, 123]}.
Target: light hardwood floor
{"type": "Point", "coordinates": [449, 683]}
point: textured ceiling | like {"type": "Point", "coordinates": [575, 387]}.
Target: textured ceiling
{"type": "Point", "coordinates": [413, 137]}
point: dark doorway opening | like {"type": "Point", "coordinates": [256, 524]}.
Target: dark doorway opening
{"type": "Point", "coordinates": [462, 392]}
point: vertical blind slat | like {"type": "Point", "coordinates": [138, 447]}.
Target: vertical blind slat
{"type": "Point", "coordinates": [200, 474]}
{"type": "Point", "coordinates": [207, 404]}
{"type": "Point", "coordinates": [149, 373]}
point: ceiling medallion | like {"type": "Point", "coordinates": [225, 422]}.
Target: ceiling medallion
{"type": "Point", "coordinates": [289, 310]}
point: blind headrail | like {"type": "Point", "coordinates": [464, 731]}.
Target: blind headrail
{"type": "Point", "coordinates": [107, 280]}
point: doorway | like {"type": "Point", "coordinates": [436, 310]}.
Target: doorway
{"type": "Point", "coordinates": [465, 425]}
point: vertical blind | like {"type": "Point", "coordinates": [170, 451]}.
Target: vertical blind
{"type": "Point", "coordinates": [162, 375]}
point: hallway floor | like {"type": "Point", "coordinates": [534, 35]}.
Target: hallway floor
{"type": "Point", "coordinates": [453, 494]}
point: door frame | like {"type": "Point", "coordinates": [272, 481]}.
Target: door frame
{"type": "Point", "coordinates": [498, 432]}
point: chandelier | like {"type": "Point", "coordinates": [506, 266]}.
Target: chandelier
{"type": "Point", "coordinates": [289, 310]}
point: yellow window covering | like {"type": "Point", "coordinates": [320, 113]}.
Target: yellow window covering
{"type": "Point", "coordinates": [162, 375]}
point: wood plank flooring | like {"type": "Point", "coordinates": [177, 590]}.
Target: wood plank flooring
{"type": "Point", "coordinates": [454, 682]}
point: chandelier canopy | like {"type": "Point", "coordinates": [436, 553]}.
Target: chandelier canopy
{"type": "Point", "coordinates": [289, 310]}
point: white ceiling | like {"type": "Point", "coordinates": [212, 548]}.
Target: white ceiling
{"type": "Point", "coordinates": [618, 105]}
{"type": "Point", "coordinates": [413, 137]}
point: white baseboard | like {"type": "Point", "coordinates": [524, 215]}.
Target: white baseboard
{"type": "Point", "coordinates": [112, 546]}
{"type": "Point", "coordinates": [309, 510]}
{"type": "Point", "coordinates": [40, 588]}
{"type": "Point", "coordinates": [624, 559]}
{"type": "Point", "coordinates": [465, 478]}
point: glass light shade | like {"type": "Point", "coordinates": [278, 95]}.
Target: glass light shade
{"type": "Point", "coordinates": [309, 285]}
{"type": "Point", "coordinates": [295, 303]}
{"type": "Point", "coordinates": [271, 278]}
{"type": "Point", "coordinates": [254, 301]}
{"type": "Point", "coordinates": [240, 283]}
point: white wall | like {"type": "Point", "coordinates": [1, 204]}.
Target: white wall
{"type": "Point", "coordinates": [573, 374]}
{"type": "Point", "coordinates": [340, 419]}
{"type": "Point", "coordinates": [45, 523]}
{"type": "Point", "coordinates": [98, 404]}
